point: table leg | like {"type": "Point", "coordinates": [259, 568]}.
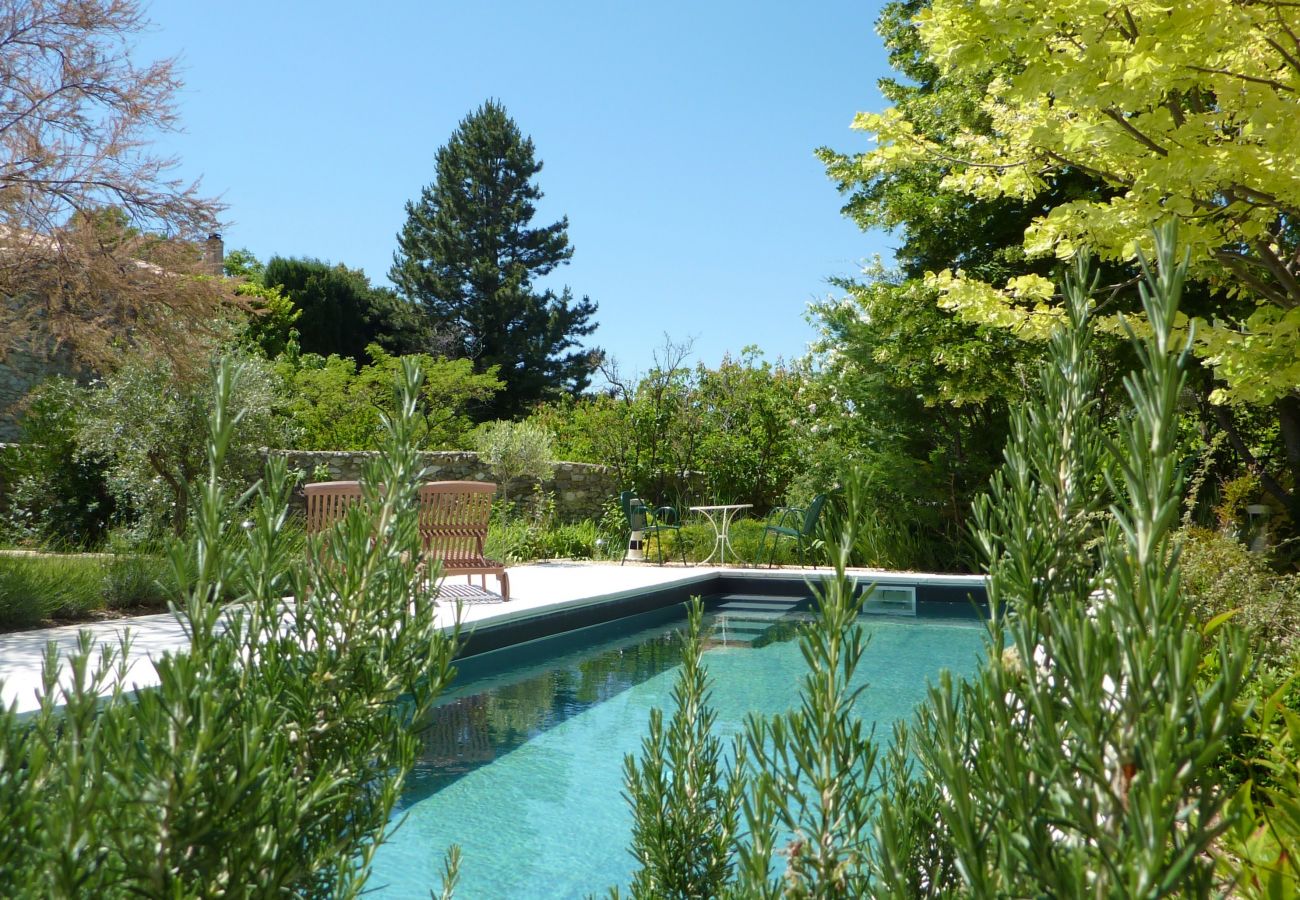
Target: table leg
{"type": "Point", "coordinates": [724, 539]}
{"type": "Point", "coordinates": [717, 537]}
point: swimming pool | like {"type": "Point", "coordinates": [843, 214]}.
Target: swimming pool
{"type": "Point", "coordinates": [522, 765]}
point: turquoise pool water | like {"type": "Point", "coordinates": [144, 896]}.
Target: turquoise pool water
{"type": "Point", "coordinates": [523, 766]}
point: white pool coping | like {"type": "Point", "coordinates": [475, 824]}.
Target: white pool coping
{"type": "Point", "coordinates": [535, 590]}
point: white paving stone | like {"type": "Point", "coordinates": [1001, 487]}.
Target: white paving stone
{"type": "Point", "coordinates": [533, 588]}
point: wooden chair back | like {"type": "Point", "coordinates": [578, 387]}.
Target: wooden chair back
{"type": "Point", "coordinates": [328, 502]}
{"type": "Point", "coordinates": [454, 521]}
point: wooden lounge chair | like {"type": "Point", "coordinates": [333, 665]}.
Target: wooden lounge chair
{"type": "Point", "coordinates": [328, 502]}
{"type": "Point", "coordinates": [453, 526]}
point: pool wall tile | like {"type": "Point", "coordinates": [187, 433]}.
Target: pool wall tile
{"type": "Point", "coordinates": [940, 597]}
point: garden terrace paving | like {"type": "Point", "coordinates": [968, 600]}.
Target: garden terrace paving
{"type": "Point", "coordinates": [544, 596]}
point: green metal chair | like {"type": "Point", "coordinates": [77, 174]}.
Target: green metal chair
{"type": "Point", "coordinates": [795, 522]}
{"type": "Point", "coordinates": [640, 517]}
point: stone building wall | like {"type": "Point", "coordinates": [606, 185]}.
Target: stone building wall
{"type": "Point", "coordinates": [581, 489]}
{"type": "Point", "coordinates": [21, 369]}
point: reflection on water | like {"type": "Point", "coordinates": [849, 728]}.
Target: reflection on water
{"type": "Point", "coordinates": [472, 729]}
{"type": "Point", "coordinates": [522, 765]}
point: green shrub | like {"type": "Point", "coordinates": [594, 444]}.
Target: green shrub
{"type": "Point", "coordinates": [520, 539]}
{"type": "Point", "coordinates": [137, 582]}
{"type": "Point", "coordinates": [269, 758]}
{"type": "Point", "coordinates": [336, 404]}
{"type": "Point", "coordinates": [147, 421]}
{"type": "Point", "coordinates": [733, 431]}
{"type": "Point", "coordinates": [40, 586]}
{"type": "Point", "coordinates": [58, 494]}
{"type": "Point", "coordinates": [745, 536]}
{"type": "Point", "coordinates": [577, 540]}
{"type": "Point", "coordinates": [1220, 574]}
{"type": "Point", "coordinates": [1259, 854]}
{"type": "Point", "coordinates": [516, 450]}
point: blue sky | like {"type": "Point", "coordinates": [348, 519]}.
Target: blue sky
{"type": "Point", "coordinates": [678, 138]}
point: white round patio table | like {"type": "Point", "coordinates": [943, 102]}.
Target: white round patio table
{"type": "Point", "coordinates": [725, 512]}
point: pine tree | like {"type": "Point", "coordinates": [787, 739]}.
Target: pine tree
{"type": "Point", "coordinates": [467, 253]}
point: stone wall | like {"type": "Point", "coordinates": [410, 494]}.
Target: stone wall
{"type": "Point", "coordinates": [581, 489]}
{"type": "Point", "coordinates": [22, 369]}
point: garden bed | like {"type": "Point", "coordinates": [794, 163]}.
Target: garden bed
{"type": "Point", "coordinates": [42, 589]}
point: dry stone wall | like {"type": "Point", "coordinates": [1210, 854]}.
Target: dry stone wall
{"type": "Point", "coordinates": [22, 369]}
{"type": "Point", "coordinates": [581, 489]}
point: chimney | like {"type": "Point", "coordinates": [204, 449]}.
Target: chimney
{"type": "Point", "coordinates": [214, 255]}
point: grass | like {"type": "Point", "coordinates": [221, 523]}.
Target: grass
{"type": "Point", "coordinates": [40, 587]}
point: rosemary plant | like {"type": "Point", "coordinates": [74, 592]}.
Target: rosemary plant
{"type": "Point", "coordinates": [269, 758]}
{"type": "Point", "coordinates": [1079, 761]}
{"type": "Point", "coordinates": [685, 798]}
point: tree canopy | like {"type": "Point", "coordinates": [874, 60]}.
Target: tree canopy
{"type": "Point", "coordinates": [337, 405]}
{"type": "Point", "coordinates": [1187, 111]}
{"type": "Point", "coordinates": [929, 390]}
{"type": "Point", "coordinates": [341, 313]}
{"type": "Point", "coordinates": [470, 255]}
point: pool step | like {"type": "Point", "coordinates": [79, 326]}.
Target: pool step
{"type": "Point", "coordinates": [748, 620]}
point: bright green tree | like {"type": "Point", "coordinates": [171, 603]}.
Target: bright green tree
{"type": "Point", "coordinates": [909, 391]}
{"type": "Point", "coordinates": [470, 255]}
{"type": "Point", "coordinates": [1188, 110]}
{"type": "Point", "coordinates": [336, 405]}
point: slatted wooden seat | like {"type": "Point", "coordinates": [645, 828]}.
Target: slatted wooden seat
{"type": "Point", "coordinates": [453, 527]}
{"type": "Point", "coordinates": [328, 502]}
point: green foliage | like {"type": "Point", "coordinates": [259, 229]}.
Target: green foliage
{"type": "Point", "coordinates": [685, 799]}
{"type": "Point", "coordinates": [341, 313]}
{"type": "Point", "coordinates": [745, 535]}
{"type": "Point", "coordinates": [57, 493]}
{"type": "Point", "coordinates": [1260, 854]}
{"type": "Point", "coordinates": [1084, 757]}
{"type": "Point", "coordinates": [1146, 106]}
{"type": "Point", "coordinates": [242, 263]}
{"type": "Point", "coordinates": [733, 433]}
{"type": "Point", "coordinates": [146, 421]}
{"type": "Point", "coordinates": [917, 401]}
{"type": "Point", "coordinates": [337, 405]}
{"type": "Point", "coordinates": [516, 450]}
{"type": "Point", "coordinates": [38, 587]}
{"type": "Point", "coordinates": [271, 320]}
{"type": "Point", "coordinates": [1220, 575]}
{"type": "Point", "coordinates": [813, 769]}
{"type": "Point", "coordinates": [530, 531]}
{"type": "Point", "coordinates": [913, 394]}
{"type": "Point", "coordinates": [469, 255]}
{"type": "Point", "coordinates": [270, 756]}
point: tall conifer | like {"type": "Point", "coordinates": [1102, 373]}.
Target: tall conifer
{"type": "Point", "coordinates": [469, 255]}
